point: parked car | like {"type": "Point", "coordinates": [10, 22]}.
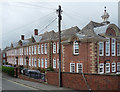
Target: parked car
{"type": "Point", "coordinates": [24, 71]}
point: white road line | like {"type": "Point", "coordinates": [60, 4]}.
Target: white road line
{"type": "Point", "coordinates": [21, 84]}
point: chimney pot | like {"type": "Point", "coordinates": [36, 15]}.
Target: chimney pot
{"type": "Point", "coordinates": [22, 37]}
{"type": "Point", "coordinates": [36, 32]}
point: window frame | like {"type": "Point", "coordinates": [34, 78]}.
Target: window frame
{"type": "Point", "coordinates": [107, 43]}
{"type": "Point", "coordinates": [102, 68]}
{"type": "Point", "coordinates": [71, 68]}
{"type": "Point", "coordinates": [107, 67]}
{"type": "Point", "coordinates": [113, 66]}
{"type": "Point", "coordinates": [42, 48]}
{"type": "Point", "coordinates": [45, 62]}
{"type": "Point", "coordinates": [112, 47]}
{"type": "Point", "coordinates": [81, 69]}
{"type": "Point", "coordinates": [101, 49]}
{"type": "Point", "coordinates": [118, 49]}
{"type": "Point", "coordinates": [54, 63]}
{"type": "Point", "coordinates": [45, 48]}
{"type": "Point", "coordinates": [54, 47]}
{"type": "Point", "coordinates": [118, 66]}
{"type": "Point", "coordinates": [75, 44]}
{"type": "Point", "coordinates": [42, 63]}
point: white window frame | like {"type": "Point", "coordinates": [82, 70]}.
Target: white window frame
{"type": "Point", "coordinates": [75, 47]}
{"type": "Point", "coordinates": [57, 47]}
{"type": "Point", "coordinates": [45, 62]}
{"type": "Point", "coordinates": [32, 61]}
{"type": "Point", "coordinates": [113, 67]}
{"type": "Point", "coordinates": [80, 68]}
{"type": "Point", "coordinates": [71, 65]}
{"type": "Point", "coordinates": [39, 62]}
{"type": "Point", "coordinates": [46, 48]}
{"type": "Point", "coordinates": [32, 50]}
{"type": "Point", "coordinates": [118, 66]}
{"type": "Point", "coordinates": [118, 49]}
{"type": "Point", "coordinates": [42, 47]}
{"type": "Point", "coordinates": [35, 62]}
{"type": "Point", "coordinates": [29, 61]}
{"type": "Point", "coordinates": [107, 47]}
{"type": "Point", "coordinates": [107, 66]}
{"type": "Point", "coordinates": [54, 63]}
{"type": "Point", "coordinates": [35, 49]}
{"type": "Point", "coordinates": [101, 65]}
{"type": "Point", "coordinates": [54, 47]}
{"type": "Point", "coordinates": [29, 50]}
{"type": "Point", "coordinates": [42, 63]}
{"type": "Point", "coordinates": [113, 48]}
{"type": "Point", "coordinates": [38, 49]}
{"type": "Point", "coordinates": [102, 49]}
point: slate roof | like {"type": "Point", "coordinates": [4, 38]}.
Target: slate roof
{"type": "Point", "coordinates": [91, 32]}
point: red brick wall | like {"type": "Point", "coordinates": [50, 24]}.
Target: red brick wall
{"type": "Point", "coordinates": [76, 81]}
{"type": "Point", "coordinates": [83, 57]}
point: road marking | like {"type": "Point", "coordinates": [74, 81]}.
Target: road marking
{"type": "Point", "coordinates": [21, 84]}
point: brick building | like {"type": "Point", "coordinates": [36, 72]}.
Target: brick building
{"type": "Point", "coordinates": [94, 49]}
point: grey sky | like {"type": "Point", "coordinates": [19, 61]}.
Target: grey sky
{"type": "Point", "coordinates": [23, 17]}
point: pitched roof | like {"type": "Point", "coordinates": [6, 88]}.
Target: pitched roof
{"type": "Point", "coordinates": [91, 31]}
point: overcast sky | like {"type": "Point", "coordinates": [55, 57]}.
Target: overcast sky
{"type": "Point", "coordinates": [22, 17]}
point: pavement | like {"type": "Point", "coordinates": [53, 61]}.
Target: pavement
{"type": "Point", "coordinates": [34, 85]}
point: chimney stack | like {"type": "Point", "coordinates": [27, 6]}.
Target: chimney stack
{"type": "Point", "coordinates": [22, 37]}
{"type": "Point", "coordinates": [35, 31]}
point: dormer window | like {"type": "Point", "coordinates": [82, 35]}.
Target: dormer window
{"type": "Point", "coordinates": [75, 48]}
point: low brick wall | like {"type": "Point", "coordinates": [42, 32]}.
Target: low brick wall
{"type": "Point", "coordinates": [76, 81]}
{"type": "Point", "coordinates": [28, 78]}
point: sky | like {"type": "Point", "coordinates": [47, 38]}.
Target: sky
{"type": "Point", "coordinates": [21, 17]}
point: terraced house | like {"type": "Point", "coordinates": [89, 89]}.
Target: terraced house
{"type": "Point", "coordinates": [94, 49]}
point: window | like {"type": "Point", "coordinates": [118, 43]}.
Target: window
{"type": "Point", "coordinates": [101, 48]}
{"type": "Point", "coordinates": [54, 47]}
{"type": "Point", "coordinates": [42, 63]}
{"type": "Point", "coordinates": [101, 69]}
{"type": "Point", "coordinates": [39, 63]}
{"type": "Point", "coordinates": [42, 49]}
{"type": "Point", "coordinates": [107, 67]}
{"type": "Point", "coordinates": [46, 48]}
{"type": "Point", "coordinates": [72, 67]}
{"type": "Point", "coordinates": [29, 61]}
{"type": "Point", "coordinates": [79, 67]}
{"type": "Point", "coordinates": [32, 61]}
{"type": "Point", "coordinates": [38, 49]}
{"type": "Point", "coordinates": [54, 63]}
{"type": "Point", "coordinates": [35, 62]}
{"type": "Point", "coordinates": [45, 63]}
{"type": "Point", "coordinates": [113, 67]}
{"type": "Point", "coordinates": [118, 66]}
{"type": "Point", "coordinates": [113, 46]}
{"type": "Point", "coordinates": [108, 47]}
{"type": "Point", "coordinates": [32, 50]}
{"type": "Point", "coordinates": [29, 50]}
{"type": "Point", "coordinates": [35, 49]}
{"type": "Point", "coordinates": [3, 54]}
{"type": "Point", "coordinates": [25, 51]}
{"type": "Point", "coordinates": [57, 47]}
{"type": "Point", "coordinates": [118, 49]}
{"type": "Point", "coordinates": [76, 47]}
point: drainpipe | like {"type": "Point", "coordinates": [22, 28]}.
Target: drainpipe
{"type": "Point", "coordinates": [86, 82]}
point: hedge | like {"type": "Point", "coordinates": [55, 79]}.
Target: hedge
{"type": "Point", "coordinates": [8, 70]}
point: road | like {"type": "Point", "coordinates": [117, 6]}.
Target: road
{"type": "Point", "coordinates": [11, 85]}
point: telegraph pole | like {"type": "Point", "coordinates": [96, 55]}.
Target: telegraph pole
{"type": "Point", "coordinates": [59, 29]}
